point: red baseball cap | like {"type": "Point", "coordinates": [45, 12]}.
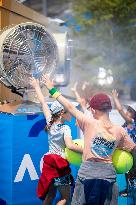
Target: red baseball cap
{"type": "Point", "coordinates": [100, 101]}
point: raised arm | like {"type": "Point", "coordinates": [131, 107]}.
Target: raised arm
{"type": "Point", "coordinates": [80, 100]}
{"type": "Point", "coordinates": [66, 103]}
{"type": "Point", "coordinates": [119, 107]}
{"type": "Point", "coordinates": [35, 84]}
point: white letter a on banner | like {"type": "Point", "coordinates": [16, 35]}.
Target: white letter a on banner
{"type": "Point", "coordinates": [26, 164]}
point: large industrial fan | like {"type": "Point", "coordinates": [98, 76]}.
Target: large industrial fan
{"type": "Point", "coordinates": [26, 50]}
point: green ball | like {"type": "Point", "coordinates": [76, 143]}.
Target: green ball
{"type": "Point", "coordinates": [73, 157]}
{"type": "Point", "coordinates": [122, 161]}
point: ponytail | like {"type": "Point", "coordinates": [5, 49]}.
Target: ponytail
{"type": "Point", "coordinates": [54, 118]}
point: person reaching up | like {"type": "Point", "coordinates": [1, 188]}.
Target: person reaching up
{"type": "Point", "coordinates": [56, 173]}
{"type": "Point", "coordinates": [96, 179]}
{"type": "Point", "coordinates": [82, 101]}
{"type": "Point", "coordinates": [130, 126]}
{"type": "Point", "coordinates": [129, 115]}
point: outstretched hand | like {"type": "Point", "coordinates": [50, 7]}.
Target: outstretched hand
{"type": "Point", "coordinates": [117, 103]}
{"type": "Point", "coordinates": [85, 85]}
{"type": "Point", "coordinates": [74, 89]}
{"type": "Point", "coordinates": [114, 94]}
{"type": "Point", "coordinates": [47, 82]}
{"type": "Point", "coordinates": [34, 82]}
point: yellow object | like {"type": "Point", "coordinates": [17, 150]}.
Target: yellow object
{"type": "Point", "coordinates": [73, 157]}
{"type": "Point", "coordinates": [122, 161]}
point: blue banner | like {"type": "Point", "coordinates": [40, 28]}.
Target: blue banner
{"type": "Point", "coordinates": [23, 142]}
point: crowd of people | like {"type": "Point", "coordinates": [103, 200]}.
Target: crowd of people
{"type": "Point", "coordinates": [96, 178]}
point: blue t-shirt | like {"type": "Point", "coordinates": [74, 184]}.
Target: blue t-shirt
{"type": "Point", "coordinates": [131, 130]}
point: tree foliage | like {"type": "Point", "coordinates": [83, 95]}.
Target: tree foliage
{"type": "Point", "coordinates": [118, 11]}
{"type": "Point", "coordinates": [111, 26]}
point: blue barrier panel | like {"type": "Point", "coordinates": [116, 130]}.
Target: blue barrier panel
{"type": "Point", "coordinates": [23, 142]}
{"type": "Point", "coordinates": [5, 158]}
{"type": "Point", "coordinates": [121, 186]}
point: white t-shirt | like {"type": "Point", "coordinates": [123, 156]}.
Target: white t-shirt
{"type": "Point", "coordinates": [56, 138]}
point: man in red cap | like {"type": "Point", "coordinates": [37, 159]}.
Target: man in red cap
{"type": "Point", "coordinates": [96, 180]}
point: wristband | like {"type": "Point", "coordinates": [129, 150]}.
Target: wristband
{"type": "Point", "coordinates": [53, 90]}
{"type": "Point", "coordinates": [56, 94]}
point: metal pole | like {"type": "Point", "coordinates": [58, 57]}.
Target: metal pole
{"type": "Point", "coordinates": [44, 7]}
